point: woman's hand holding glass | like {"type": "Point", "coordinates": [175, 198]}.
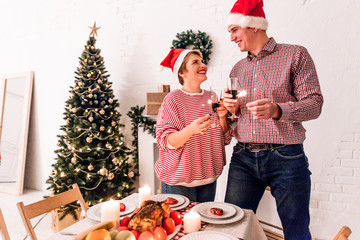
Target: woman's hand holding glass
{"type": "Point", "coordinates": [200, 125]}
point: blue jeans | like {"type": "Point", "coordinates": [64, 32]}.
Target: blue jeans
{"type": "Point", "coordinates": [286, 171]}
{"type": "Point", "coordinates": [205, 193]}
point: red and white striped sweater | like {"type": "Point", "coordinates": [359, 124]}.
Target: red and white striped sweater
{"type": "Point", "coordinates": [202, 158]}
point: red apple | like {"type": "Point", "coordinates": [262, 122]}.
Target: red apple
{"type": "Point", "coordinates": [147, 235]}
{"type": "Point", "coordinates": [160, 233]}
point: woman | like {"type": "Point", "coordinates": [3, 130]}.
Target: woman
{"type": "Point", "coordinates": [191, 154]}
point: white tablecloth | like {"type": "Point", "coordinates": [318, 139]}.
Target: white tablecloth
{"type": "Point", "coordinates": [247, 228]}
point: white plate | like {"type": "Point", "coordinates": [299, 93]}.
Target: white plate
{"type": "Point", "coordinates": [208, 235]}
{"type": "Point", "coordinates": [237, 217]}
{"type": "Point", "coordinates": [162, 197]}
{"type": "Point", "coordinates": [94, 212]}
{"type": "Point", "coordinates": [204, 209]}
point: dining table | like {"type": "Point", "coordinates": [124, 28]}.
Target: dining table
{"type": "Point", "coordinates": [247, 228]}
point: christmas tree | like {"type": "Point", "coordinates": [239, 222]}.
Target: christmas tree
{"type": "Point", "coordinates": [91, 152]}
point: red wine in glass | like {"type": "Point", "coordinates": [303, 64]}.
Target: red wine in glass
{"type": "Point", "coordinates": [234, 93]}
{"type": "Point", "coordinates": [215, 106]}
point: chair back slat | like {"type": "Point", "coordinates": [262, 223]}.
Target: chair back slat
{"type": "Point", "coordinates": [343, 234]}
{"type": "Point", "coordinates": [3, 229]}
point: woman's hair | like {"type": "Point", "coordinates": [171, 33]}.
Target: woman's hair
{"type": "Point", "coordinates": [182, 68]}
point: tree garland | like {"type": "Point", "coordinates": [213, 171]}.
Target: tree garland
{"type": "Point", "coordinates": [138, 120]}
{"type": "Point", "coordinates": [200, 41]}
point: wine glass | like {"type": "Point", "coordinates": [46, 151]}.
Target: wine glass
{"type": "Point", "coordinates": [215, 97]}
{"type": "Point", "coordinates": [233, 86]}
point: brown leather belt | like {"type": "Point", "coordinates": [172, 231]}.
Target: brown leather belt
{"type": "Point", "coordinates": [258, 147]}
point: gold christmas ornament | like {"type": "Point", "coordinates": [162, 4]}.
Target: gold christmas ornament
{"type": "Point", "coordinates": [88, 75]}
{"type": "Point", "coordinates": [113, 123]}
{"type": "Point", "coordinates": [74, 110]}
{"type": "Point", "coordinates": [73, 160]}
{"type": "Point", "coordinates": [89, 139]}
{"type": "Point", "coordinates": [131, 161]}
{"type": "Point", "coordinates": [91, 119]}
{"type": "Point", "coordinates": [90, 167]}
{"type": "Point", "coordinates": [131, 174]}
{"type": "Point", "coordinates": [115, 161]}
{"type": "Point", "coordinates": [102, 111]}
{"type": "Point", "coordinates": [108, 145]}
{"type": "Point", "coordinates": [90, 95]}
{"type": "Point", "coordinates": [99, 81]}
{"type": "Point", "coordinates": [102, 128]}
{"type": "Point", "coordinates": [111, 176]}
{"type": "Point", "coordinates": [103, 171]}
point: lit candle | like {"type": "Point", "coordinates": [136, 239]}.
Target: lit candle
{"type": "Point", "coordinates": [144, 194]}
{"type": "Point", "coordinates": [110, 211]}
{"type": "Point", "coordinates": [192, 222]}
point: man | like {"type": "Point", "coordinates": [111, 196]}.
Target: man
{"type": "Point", "coordinates": [282, 91]}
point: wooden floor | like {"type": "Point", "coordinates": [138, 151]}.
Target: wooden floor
{"type": "Point", "coordinates": [12, 218]}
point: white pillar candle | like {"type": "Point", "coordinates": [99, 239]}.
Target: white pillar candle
{"type": "Point", "coordinates": [144, 194]}
{"type": "Point", "coordinates": [110, 211]}
{"type": "Point", "coordinates": [192, 222]}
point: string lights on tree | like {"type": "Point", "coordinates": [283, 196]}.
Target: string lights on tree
{"type": "Point", "coordinates": [91, 151]}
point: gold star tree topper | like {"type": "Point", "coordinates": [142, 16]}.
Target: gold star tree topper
{"type": "Point", "coordinates": [94, 29]}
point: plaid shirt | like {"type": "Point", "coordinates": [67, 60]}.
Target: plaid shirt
{"type": "Point", "coordinates": [284, 74]}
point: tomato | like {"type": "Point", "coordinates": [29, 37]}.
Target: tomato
{"type": "Point", "coordinates": [147, 235]}
{"type": "Point", "coordinates": [125, 221]}
{"type": "Point", "coordinates": [136, 234]}
{"type": "Point", "coordinates": [122, 207]}
{"type": "Point", "coordinates": [160, 233]}
{"type": "Point", "coordinates": [169, 225]}
{"type": "Point", "coordinates": [121, 228]}
{"type": "Point", "coordinates": [176, 216]}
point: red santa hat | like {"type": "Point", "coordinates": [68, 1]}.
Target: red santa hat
{"type": "Point", "coordinates": [174, 59]}
{"type": "Point", "coordinates": [248, 13]}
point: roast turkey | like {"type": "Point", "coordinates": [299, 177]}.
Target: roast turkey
{"type": "Point", "coordinates": [150, 215]}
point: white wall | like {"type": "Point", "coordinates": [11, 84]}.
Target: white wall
{"type": "Point", "coordinates": [48, 37]}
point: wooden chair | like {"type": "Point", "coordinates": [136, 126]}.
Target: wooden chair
{"type": "Point", "coordinates": [36, 209]}
{"type": "Point", "coordinates": [269, 231]}
{"type": "Point", "coordinates": [272, 231]}
{"type": "Point", "coordinates": [343, 234]}
{"type": "Point", "coordinates": [3, 230]}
